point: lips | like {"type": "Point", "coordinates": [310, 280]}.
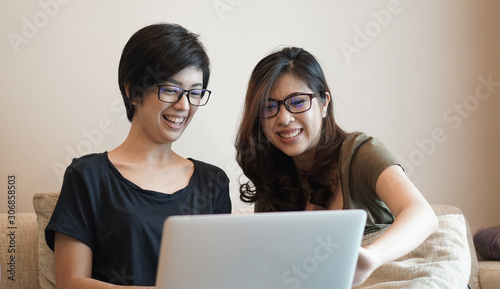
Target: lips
{"type": "Point", "coordinates": [288, 134]}
{"type": "Point", "coordinates": [174, 119]}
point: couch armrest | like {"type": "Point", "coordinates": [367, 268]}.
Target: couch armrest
{"type": "Point", "coordinates": [23, 239]}
{"type": "Point", "coordinates": [489, 274]}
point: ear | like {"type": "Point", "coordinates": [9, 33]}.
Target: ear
{"type": "Point", "coordinates": [133, 100]}
{"type": "Point", "coordinates": [325, 101]}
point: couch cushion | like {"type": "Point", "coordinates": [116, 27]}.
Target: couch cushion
{"type": "Point", "coordinates": [441, 209]}
{"type": "Point", "coordinates": [44, 204]}
{"type": "Point", "coordinates": [487, 242]}
{"type": "Point", "coordinates": [441, 261]}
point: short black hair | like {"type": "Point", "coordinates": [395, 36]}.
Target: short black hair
{"type": "Point", "coordinates": [153, 55]}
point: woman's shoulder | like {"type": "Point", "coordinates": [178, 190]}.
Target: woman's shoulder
{"type": "Point", "coordinates": [209, 174]}
{"type": "Point", "coordinates": [204, 166]}
{"type": "Point", "coordinates": [356, 140]}
{"type": "Point", "coordinates": [362, 150]}
{"type": "Point", "coordinates": [89, 161]}
{"type": "Point", "coordinates": [362, 147]}
{"type": "Point", "coordinates": [208, 170]}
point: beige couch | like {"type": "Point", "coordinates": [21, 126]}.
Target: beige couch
{"type": "Point", "coordinates": [34, 260]}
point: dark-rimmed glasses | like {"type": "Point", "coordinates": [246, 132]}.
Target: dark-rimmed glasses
{"type": "Point", "coordinates": [294, 103]}
{"type": "Point", "coordinates": [172, 94]}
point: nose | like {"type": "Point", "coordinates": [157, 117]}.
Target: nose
{"type": "Point", "coordinates": [284, 117]}
{"type": "Point", "coordinates": [183, 103]}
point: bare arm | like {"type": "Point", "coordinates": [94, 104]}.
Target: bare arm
{"type": "Point", "coordinates": [415, 221]}
{"type": "Point", "coordinates": [73, 260]}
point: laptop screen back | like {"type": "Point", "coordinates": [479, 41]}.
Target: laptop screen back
{"type": "Point", "coordinates": [289, 250]}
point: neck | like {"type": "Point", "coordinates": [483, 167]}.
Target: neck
{"type": "Point", "coordinates": [304, 161]}
{"type": "Point", "coordinates": [138, 148]}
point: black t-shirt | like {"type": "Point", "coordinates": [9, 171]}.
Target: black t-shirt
{"type": "Point", "coordinates": [121, 222]}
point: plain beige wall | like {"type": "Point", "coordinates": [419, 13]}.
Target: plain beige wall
{"type": "Point", "coordinates": [422, 76]}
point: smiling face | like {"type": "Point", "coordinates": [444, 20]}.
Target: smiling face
{"type": "Point", "coordinates": [165, 122]}
{"type": "Point", "coordinates": [295, 134]}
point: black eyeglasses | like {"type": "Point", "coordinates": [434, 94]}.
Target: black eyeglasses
{"type": "Point", "coordinates": [172, 94]}
{"type": "Point", "coordinates": [294, 103]}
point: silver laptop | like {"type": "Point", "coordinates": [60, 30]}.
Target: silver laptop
{"type": "Point", "coordinates": [290, 250]}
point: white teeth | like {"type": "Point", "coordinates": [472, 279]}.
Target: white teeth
{"type": "Point", "coordinates": [175, 120]}
{"type": "Point", "coordinates": [290, 134]}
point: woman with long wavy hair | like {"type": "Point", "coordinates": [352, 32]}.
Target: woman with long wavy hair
{"type": "Point", "coordinates": [297, 158]}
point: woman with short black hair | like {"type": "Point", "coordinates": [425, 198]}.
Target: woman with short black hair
{"type": "Point", "coordinates": [107, 225]}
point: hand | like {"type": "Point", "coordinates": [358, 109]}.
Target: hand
{"type": "Point", "coordinates": [367, 263]}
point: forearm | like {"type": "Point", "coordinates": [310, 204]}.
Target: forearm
{"type": "Point", "coordinates": [415, 221]}
{"type": "Point", "coordinates": [87, 283]}
{"type": "Point", "coordinates": [411, 227]}
{"type": "Point", "coordinates": [73, 265]}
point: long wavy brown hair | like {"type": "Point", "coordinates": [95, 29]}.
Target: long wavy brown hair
{"type": "Point", "coordinates": [273, 178]}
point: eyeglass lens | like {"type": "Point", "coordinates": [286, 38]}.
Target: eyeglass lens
{"type": "Point", "coordinates": [172, 94]}
{"type": "Point", "coordinates": [294, 104]}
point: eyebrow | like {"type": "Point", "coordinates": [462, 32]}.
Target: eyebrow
{"type": "Point", "coordinates": [180, 83]}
